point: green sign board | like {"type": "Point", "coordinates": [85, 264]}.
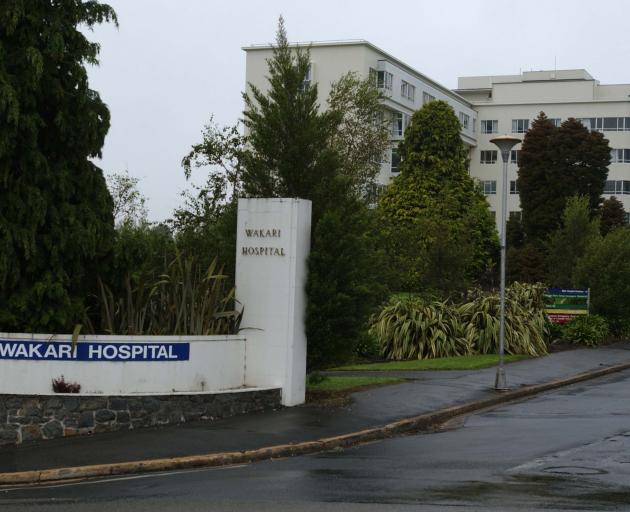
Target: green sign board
{"type": "Point", "coordinates": [564, 304]}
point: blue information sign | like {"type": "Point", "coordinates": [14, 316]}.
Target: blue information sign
{"type": "Point", "coordinates": [93, 351]}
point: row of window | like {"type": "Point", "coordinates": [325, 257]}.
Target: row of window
{"type": "Point", "coordinates": [620, 156]}
{"type": "Point", "coordinates": [617, 156]}
{"type": "Point", "coordinates": [489, 187]}
{"type": "Point", "coordinates": [490, 156]}
{"type": "Point", "coordinates": [607, 124]}
{"type": "Point", "coordinates": [613, 124]}
{"type": "Point", "coordinates": [622, 187]}
{"type": "Point", "coordinates": [617, 187]}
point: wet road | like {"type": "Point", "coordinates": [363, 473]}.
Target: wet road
{"type": "Point", "coordinates": [567, 450]}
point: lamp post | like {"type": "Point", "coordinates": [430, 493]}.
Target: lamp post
{"type": "Point", "coordinates": [505, 143]}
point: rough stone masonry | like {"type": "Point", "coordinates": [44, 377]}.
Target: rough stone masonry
{"type": "Point", "coordinates": [33, 417]}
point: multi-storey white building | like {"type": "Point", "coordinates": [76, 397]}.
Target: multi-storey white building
{"type": "Point", "coordinates": [509, 104]}
{"type": "Point", "coordinates": [405, 89]}
{"type": "Point", "coordinates": [485, 105]}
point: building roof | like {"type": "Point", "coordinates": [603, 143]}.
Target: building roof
{"type": "Point", "coordinates": [363, 42]}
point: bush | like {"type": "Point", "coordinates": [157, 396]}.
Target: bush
{"type": "Point", "coordinates": [61, 386]}
{"type": "Point", "coordinates": [409, 328]}
{"type": "Point", "coordinates": [525, 321]}
{"type": "Point", "coordinates": [412, 328]}
{"type": "Point", "coordinates": [589, 330]}
{"type": "Point", "coordinates": [344, 287]}
{"type": "Point", "coordinates": [605, 269]}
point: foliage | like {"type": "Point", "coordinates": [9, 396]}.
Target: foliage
{"type": "Point", "coordinates": [612, 215]}
{"type": "Point", "coordinates": [360, 138]}
{"type": "Point", "coordinates": [343, 286]}
{"type": "Point", "coordinates": [56, 222]}
{"type": "Point", "coordinates": [569, 242]}
{"type": "Point", "coordinates": [61, 386]}
{"type": "Point", "coordinates": [526, 264]}
{"type": "Point", "coordinates": [605, 269]}
{"type": "Point", "coordinates": [412, 329]}
{"type": "Point", "coordinates": [555, 164]}
{"type": "Point", "coordinates": [525, 321]}
{"type": "Point", "coordinates": [129, 203]}
{"type": "Point", "coordinates": [434, 189]}
{"type": "Point", "coordinates": [184, 299]}
{"type": "Point", "coordinates": [469, 362]}
{"type": "Point", "coordinates": [367, 347]}
{"type": "Point", "coordinates": [589, 330]}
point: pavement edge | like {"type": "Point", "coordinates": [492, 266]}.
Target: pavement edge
{"type": "Point", "coordinates": [399, 427]}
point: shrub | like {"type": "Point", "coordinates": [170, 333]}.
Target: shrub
{"type": "Point", "coordinates": [185, 299]}
{"type": "Point", "coordinates": [61, 386]}
{"type": "Point", "coordinates": [605, 269]}
{"type": "Point", "coordinates": [589, 330]}
{"type": "Point", "coordinates": [525, 321]}
{"type": "Point", "coordinates": [409, 328]}
{"type": "Point", "coordinates": [413, 328]}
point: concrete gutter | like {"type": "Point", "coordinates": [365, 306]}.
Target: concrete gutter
{"type": "Point", "coordinates": [419, 423]}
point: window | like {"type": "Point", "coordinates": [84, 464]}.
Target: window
{"type": "Point", "coordinates": [517, 214]}
{"type": "Point", "coordinates": [513, 187]}
{"type": "Point", "coordinates": [464, 119]}
{"type": "Point", "coordinates": [488, 157]}
{"type": "Point", "coordinates": [407, 90]}
{"type": "Point", "coordinates": [489, 126]}
{"type": "Point", "coordinates": [426, 98]}
{"type": "Point", "coordinates": [474, 127]}
{"type": "Point", "coordinates": [308, 77]}
{"type": "Point", "coordinates": [520, 125]}
{"type": "Point", "coordinates": [617, 187]}
{"type": "Point", "coordinates": [514, 154]}
{"type": "Point", "coordinates": [395, 161]}
{"type": "Point", "coordinates": [488, 187]}
{"type": "Point", "coordinates": [384, 80]}
{"type": "Point", "coordinates": [398, 124]}
{"type": "Point", "coordinates": [620, 156]}
{"type": "Point", "coordinates": [556, 121]}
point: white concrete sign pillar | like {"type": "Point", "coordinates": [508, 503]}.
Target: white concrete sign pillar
{"type": "Point", "coordinates": [272, 247]}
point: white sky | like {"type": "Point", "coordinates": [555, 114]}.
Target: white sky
{"type": "Point", "coordinates": [174, 63]}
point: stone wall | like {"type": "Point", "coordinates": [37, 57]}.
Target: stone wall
{"type": "Point", "coordinates": [32, 417]}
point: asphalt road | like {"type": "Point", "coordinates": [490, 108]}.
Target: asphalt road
{"type": "Point", "coordinates": [566, 450]}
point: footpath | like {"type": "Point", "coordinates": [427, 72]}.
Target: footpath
{"type": "Point", "coordinates": [428, 398]}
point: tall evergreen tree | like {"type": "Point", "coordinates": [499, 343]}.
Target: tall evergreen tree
{"type": "Point", "coordinates": [289, 151]}
{"type": "Point", "coordinates": [612, 215]}
{"type": "Point", "coordinates": [56, 222]}
{"type": "Point", "coordinates": [555, 164]}
{"type": "Point", "coordinates": [434, 187]}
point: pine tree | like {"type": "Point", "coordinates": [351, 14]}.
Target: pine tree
{"type": "Point", "coordinates": [612, 215]}
{"type": "Point", "coordinates": [434, 186]}
{"type": "Point", "coordinates": [288, 151]}
{"type": "Point", "coordinates": [555, 164]}
{"type": "Point", "coordinates": [56, 222]}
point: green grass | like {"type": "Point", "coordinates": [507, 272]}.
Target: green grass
{"type": "Point", "coordinates": [350, 383]}
{"type": "Point", "coordinates": [474, 362]}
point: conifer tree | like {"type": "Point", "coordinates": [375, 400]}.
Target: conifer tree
{"type": "Point", "coordinates": [555, 164]}
{"type": "Point", "coordinates": [56, 222]}
{"type": "Point", "coordinates": [612, 215]}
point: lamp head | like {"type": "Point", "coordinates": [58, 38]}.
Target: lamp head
{"type": "Point", "coordinates": [505, 143]}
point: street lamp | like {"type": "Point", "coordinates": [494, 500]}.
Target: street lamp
{"type": "Point", "coordinates": [505, 144]}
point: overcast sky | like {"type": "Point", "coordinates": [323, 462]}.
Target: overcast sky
{"type": "Point", "coordinates": [172, 64]}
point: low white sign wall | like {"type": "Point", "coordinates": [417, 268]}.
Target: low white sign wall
{"type": "Point", "coordinates": [120, 365]}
